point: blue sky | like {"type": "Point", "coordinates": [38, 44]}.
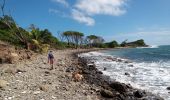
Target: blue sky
{"type": "Point", "coordinates": [111, 19]}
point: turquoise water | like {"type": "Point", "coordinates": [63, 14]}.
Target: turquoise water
{"type": "Point", "coordinates": [153, 54]}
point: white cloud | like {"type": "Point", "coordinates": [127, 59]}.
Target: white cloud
{"type": "Point", "coordinates": [53, 11]}
{"type": "Point", "coordinates": [84, 11]}
{"type": "Point", "coordinates": [63, 2]}
{"type": "Point", "coordinates": [80, 17]}
{"type": "Point", "coordinates": [103, 7]}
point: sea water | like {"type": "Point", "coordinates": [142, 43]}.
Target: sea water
{"type": "Point", "coordinates": [147, 68]}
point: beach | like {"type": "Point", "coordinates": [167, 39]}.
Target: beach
{"type": "Point", "coordinates": [32, 80]}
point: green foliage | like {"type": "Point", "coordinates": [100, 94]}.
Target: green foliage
{"type": "Point", "coordinates": [112, 44]}
{"type": "Point", "coordinates": [74, 38]}
{"type": "Point", "coordinates": [140, 42]}
{"type": "Point", "coordinates": [123, 44]}
{"type": "Point", "coordinates": [136, 43]}
{"type": "Point", "coordinates": [41, 40]}
{"type": "Point", "coordinates": [94, 41]}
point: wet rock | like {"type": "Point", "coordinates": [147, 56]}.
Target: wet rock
{"type": "Point", "coordinates": [127, 74]}
{"type": "Point", "coordinates": [128, 61]}
{"type": "Point", "coordinates": [168, 88]}
{"type": "Point", "coordinates": [99, 72]}
{"type": "Point", "coordinates": [130, 65]}
{"type": "Point", "coordinates": [3, 84]}
{"type": "Point", "coordinates": [86, 72]}
{"type": "Point", "coordinates": [138, 94]}
{"type": "Point", "coordinates": [106, 93]}
{"type": "Point", "coordinates": [110, 58]}
{"type": "Point", "coordinates": [119, 60]}
{"type": "Point", "coordinates": [120, 87]}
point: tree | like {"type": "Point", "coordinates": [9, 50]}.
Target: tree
{"type": "Point", "coordinates": [94, 40]}
{"type": "Point", "coordinates": [14, 30]}
{"type": "Point", "coordinates": [73, 37]}
{"type": "Point", "coordinates": [112, 44]}
{"type": "Point", "coordinates": [123, 44]}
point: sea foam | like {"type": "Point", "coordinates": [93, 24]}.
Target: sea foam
{"type": "Point", "coordinates": [151, 76]}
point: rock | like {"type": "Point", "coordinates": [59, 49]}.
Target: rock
{"type": "Point", "coordinates": [109, 58]}
{"type": "Point", "coordinates": [3, 84]}
{"type": "Point", "coordinates": [47, 72]}
{"type": "Point", "coordinates": [19, 71]}
{"type": "Point", "coordinates": [120, 87]}
{"type": "Point", "coordinates": [106, 93]}
{"type": "Point", "coordinates": [127, 74]}
{"type": "Point", "coordinates": [119, 60]}
{"type": "Point", "coordinates": [44, 88]}
{"type": "Point", "coordinates": [128, 61]}
{"type": "Point", "coordinates": [168, 88]}
{"type": "Point", "coordinates": [105, 68]}
{"type": "Point", "coordinates": [130, 65]}
{"type": "Point", "coordinates": [70, 69]}
{"type": "Point", "coordinates": [53, 97]}
{"type": "Point", "coordinates": [138, 94]}
{"type": "Point", "coordinates": [13, 58]}
{"type": "Point", "coordinates": [14, 54]}
{"type": "Point", "coordinates": [36, 92]}
{"type": "Point", "coordinates": [10, 70]}
{"type": "Point", "coordinates": [1, 60]}
{"type": "Point", "coordinates": [86, 72]}
{"type": "Point", "coordinates": [99, 72]}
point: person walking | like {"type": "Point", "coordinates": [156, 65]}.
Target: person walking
{"type": "Point", "coordinates": [51, 59]}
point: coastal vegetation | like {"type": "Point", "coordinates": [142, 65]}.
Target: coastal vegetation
{"type": "Point", "coordinates": [137, 43]}
{"type": "Point", "coordinates": [40, 40]}
{"type": "Point", "coordinates": [37, 39]}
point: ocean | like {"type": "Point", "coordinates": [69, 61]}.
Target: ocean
{"type": "Point", "coordinates": [145, 68]}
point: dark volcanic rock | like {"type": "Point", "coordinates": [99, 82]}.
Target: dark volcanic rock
{"type": "Point", "coordinates": [70, 69]}
{"type": "Point", "coordinates": [106, 93]}
{"type": "Point", "coordinates": [99, 72]}
{"type": "Point", "coordinates": [119, 60]}
{"type": "Point", "coordinates": [130, 65]}
{"type": "Point", "coordinates": [127, 74]}
{"type": "Point", "coordinates": [168, 88]}
{"type": "Point", "coordinates": [1, 61]}
{"type": "Point", "coordinates": [110, 89]}
{"type": "Point", "coordinates": [86, 72]}
{"type": "Point", "coordinates": [139, 94]}
{"type": "Point", "coordinates": [120, 87]}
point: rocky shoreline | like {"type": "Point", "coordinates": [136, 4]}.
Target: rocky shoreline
{"type": "Point", "coordinates": [31, 79]}
{"type": "Point", "coordinates": [110, 89]}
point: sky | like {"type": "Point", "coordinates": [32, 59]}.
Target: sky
{"type": "Point", "coordinates": [112, 19]}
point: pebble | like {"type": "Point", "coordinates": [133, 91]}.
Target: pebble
{"type": "Point", "coordinates": [36, 92]}
{"type": "Point", "coordinates": [53, 97]}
